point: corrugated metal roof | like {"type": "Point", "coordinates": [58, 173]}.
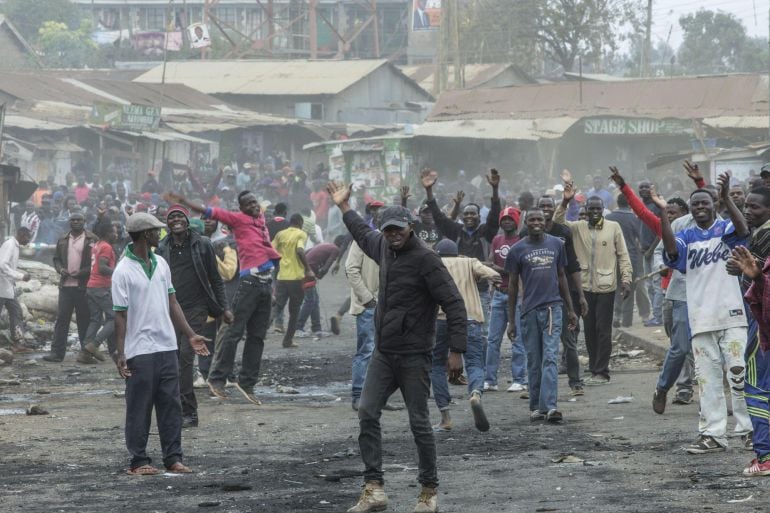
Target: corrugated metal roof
{"type": "Point", "coordinates": [266, 77]}
{"type": "Point", "coordinates": [681, 98]}
{"type": "Point", "coordinates": [167, 95]}
{"type": "Point", "coordinates": [497, 129]}
{"type": "Point", "coordinates": [29, 123]}
{"type": "Point", "coordinates": [476, 75]}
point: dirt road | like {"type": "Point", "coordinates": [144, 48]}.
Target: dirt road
{"type": "Point", "coordinates": [299, 452]}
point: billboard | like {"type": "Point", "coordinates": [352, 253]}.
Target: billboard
{"type": "Point", "coordinates": [426, 15]}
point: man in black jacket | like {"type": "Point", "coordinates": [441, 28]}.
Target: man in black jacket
{"type": "Point", "coordinates": [72, 260]}
{"type": "Point", "coordinates": [413, 284]}
{"type": "Point", "coordinates": [200, 292]}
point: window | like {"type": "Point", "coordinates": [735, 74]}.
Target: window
{"type": "Point", "coordinates": [155, 18]}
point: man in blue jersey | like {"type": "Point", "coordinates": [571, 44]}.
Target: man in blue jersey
{"type": "Point", "coordinates": [715, 310]}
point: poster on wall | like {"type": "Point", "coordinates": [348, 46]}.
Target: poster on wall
{"type": "Point", "coordinates": [426, 15]}
{"type": "Point", "coordinates": [336, 163]}
{"type": "Point", "coordinates": [740, 170]}
{"type": "Point", "coordinates": [366, 169]}
{"type": "Point", "coordinates": [199, 35]}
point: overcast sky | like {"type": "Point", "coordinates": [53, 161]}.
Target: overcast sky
{"type": "Point", "coordinates": [666, 13]}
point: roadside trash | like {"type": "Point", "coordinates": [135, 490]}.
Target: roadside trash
{"type": "Point", "coordinates": [618, 418]}
{"type": "Point", "coordinates": [620, 400]}
{"type": "Point", "coordinates": [209, 504]}
{"type": "Point", "coordinates": [567, 458]}
{"type": "Point", "coordinates": [747, 499]}
{"type": "Point", "coordinates": [281, 389]}
{"type": "Point", "coordinates": [631, 354]}
{"type": "Point", "coordinates": [35, 409]}
{"type": "Point", "coordinates": [231, 486]}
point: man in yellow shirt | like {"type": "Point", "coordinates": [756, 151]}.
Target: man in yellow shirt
{"type": "Point", "coordinates": [294, 271]}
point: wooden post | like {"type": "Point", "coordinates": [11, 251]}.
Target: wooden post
{"type": "Point", "coordinates": [376, 30]}
{"type": "Point", "coordinates": [313, 22]}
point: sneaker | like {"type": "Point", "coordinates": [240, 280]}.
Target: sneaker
{"type": "Point", "coordinates": [683, 397]}
{"type": "Point", "coordinates": [334, 324]}
{"type": "Point", "coordinates": [524, 394]}
{"type": "Point", "coordinates": [517, 387]}
{"type": "Point", "coordinates": [248, 393]}
{"type": "Point", "coordinates": [576, 391]}
{"type": "Point", "coordinates": [53, 358]}
{"type": "Point", "coordinates": [756, 469]}
{"type": "Point", "coordinates": [392, 407]}
{"type": "Point", "coordinates": [652, 323]}
{"type": "Point", "coordinates": [278, 329]}
{"type": "Point", "coordinates": [554, 416]}
{"type": "Point", "coordinates": [747, 441]}
{"type": "Point", "coordinates": [659, 401]}
{"type": "Point", "coordinates": [537, 415]}
{"type": "Point", "coordinates": [704, 444]}
{"type": "Point", "coordinates": [290, 345]}
{"type": "Point", "coordinates": [85, 358]}
{"type": "Point", "coordinates": [462, 380]}
{"type": "Point", "coordinates": [427, 502]}
{"type": "Point", "coordinates": [489, 387]}
{"type": "Point", "coordinates": [372, 498]}
{"type": "Point", "coordinates": [596, 381]}
{"type": "Point", "coordinates": [355, 404]}
{"type": "Point", "coordinates": [321, 334]}
{"type": "Point", "coordinates": [200, 382]}
{"type": "Point", "coordinates": [301, 334]}
{"type": "Point", "coordinates": [93, 350]}
{"type": "Point", "coordinates": [479, 417]}
{"type": "Point", "coordinates": [217, 390]}
{"type": "Point", "coordinates": [190, 421]}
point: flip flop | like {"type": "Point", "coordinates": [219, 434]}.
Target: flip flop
{"type": "Point", "coordinates": [144, 470]}
{"type": "Point", "coordinates": [179, 468]}
{"type": "Point", "coordinates": [439, 429]}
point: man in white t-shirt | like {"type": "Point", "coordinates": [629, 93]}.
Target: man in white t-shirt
{"type": "Point", "coordinates": [715, 310]}
{"type": "Point", "coordinates": [146, 315]}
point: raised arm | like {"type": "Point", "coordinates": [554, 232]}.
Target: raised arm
{"type": "Point", "coordinates": [741, 228]}
{"type": "Point", "coordinates": [367, 239]}
{"type": "Point", "coordinates": [493, 217]}
{"type": "Point", "coordinates": [648, 217]}
{"type": "Point", "coordinates": [449, 228]}
{"type": "Point", "coordinates": [172, 198]}
{"type": "Point", "coordinates": [667, 237]}
{"type": "Point", "coordinates": [560, 215]}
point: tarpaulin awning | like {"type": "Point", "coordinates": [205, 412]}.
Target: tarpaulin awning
{"type": "Point", "coordinates": [500, 129]}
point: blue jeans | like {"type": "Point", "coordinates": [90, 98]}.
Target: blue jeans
{"type": "Point", "coordinates": [310, 308]}
{"type": "Point", "coordinates": [681, 346]}
{"type": "Point", "coordinates": [541, 331]}
{"type": "Point", "coordinates": [364, 348]}
{"type": "Point", "coordinates": [498, 324]}
{"type": "Point", "coordinates": [438, 377]}
{"type": "Point", "coordinates": [654, 290]}
{"type": "Point", "coordinates": [474, 362]}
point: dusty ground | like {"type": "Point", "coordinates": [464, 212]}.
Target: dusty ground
{"type": "Point", "coordinates": [298, 453]}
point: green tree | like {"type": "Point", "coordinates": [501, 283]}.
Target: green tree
{"type": "Point", "coordinates": [65, 48]}
{"type": "Point", "coordinates": [714, 42]}
{"type": "Point", "coordinates": [29, 15]}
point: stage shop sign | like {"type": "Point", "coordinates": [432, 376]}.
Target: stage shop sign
{"type": "Point", "coordinates": [636, 126]}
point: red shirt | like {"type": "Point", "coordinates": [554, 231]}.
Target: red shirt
{"type": "Point", "coordinates": [251, 236]}
{"type": "Point", "coordinates": [501, 244]}
{"type": "Point", "coordinates": [101, 249]}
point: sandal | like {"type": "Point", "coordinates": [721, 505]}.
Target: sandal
{"type": "Point", "coordinates": [179, 468]}
{"type": "Point", "coordinates": [144, 470]}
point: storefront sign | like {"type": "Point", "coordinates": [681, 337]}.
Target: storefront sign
{"type": "Point", "coordinates": [636, 126]}
{"type": "Point", "coordinates": [126, 117]}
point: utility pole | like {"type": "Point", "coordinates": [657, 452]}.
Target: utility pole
{"type": "Point", "coordinates": [647, 50]}
{"type": "Point", "coordinates": [313, 23]}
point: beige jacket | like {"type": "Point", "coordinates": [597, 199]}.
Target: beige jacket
{"type": "Point", "coordinates": [601, 252]}
{"type": "Point", "coordinates": [466, 272]}
{"type": "Point", "coordinates": [364, 278]}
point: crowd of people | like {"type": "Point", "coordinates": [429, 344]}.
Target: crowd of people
{"type": "Point", "coordinates": [169, 275]}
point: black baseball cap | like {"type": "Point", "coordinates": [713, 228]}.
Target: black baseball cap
{"type": "Point", "coordinates": [765, 171]}
{"type": "Point", "coordinates": [395, 216]}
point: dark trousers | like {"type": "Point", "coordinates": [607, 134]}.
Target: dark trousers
{"type": "Point", "coordinates": [598, 332]}
{"type": "Point", "coordinates": [70, 298]}
{"type": "Point", "coordinates": [196, 318]}
{"type": "Point", "coordinates": [209, 331]}
{"type": "Point", "coordinates": [251, 308]}
{"type": "Point", "coordinates": [15, 317]}
{"type": "Point", "coordinates": [311, 307]}
{"type": "Point", "coordinates": [290, 291]}
{"type": "Point", "coordinates": [154, 381]}
{"type": "Point", "coordinates": [102, 319]}
{"type": "Point", "coordinates": [569, 341]}
{"type": "Point", "coordinates": [386, 374]}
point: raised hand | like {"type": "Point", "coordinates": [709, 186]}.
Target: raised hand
{"type": "Point", "coordinates": [459, 197]}
{"type": "Point", "coordinates": [339, 192]}
{"type": "Point", "coordinates": [566, 176]}
{"type": "Point", "coordinates": [405, 193]}
{"type": "Point", "coordinates": [493, 178]}
{"type": "Point", "coordinates": [692, 171]}
{"type": "Point", "coordinates": [173, 198]}
{"type": "Point", "coordinates": [743, 258]}
{"type": "Point", "coordinates": [723, 181]}
{"type": "Point", "coordinates": [428, 178]}
{"type": "Point", "coordinates": [657, 198]}
{"type": "Point", "coordinates": [617, 177]}
{"type": "Point", "coordinates": [569, 192]}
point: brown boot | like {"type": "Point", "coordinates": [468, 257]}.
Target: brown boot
{"type": "Point", "coordinates": [91, 348]}
{"type": "Point", "coordinates": [427, 502]}
{"type": "Point", "coordinates": [373, 498]}
{"type": "Point", "coordinates": [85, 358]}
